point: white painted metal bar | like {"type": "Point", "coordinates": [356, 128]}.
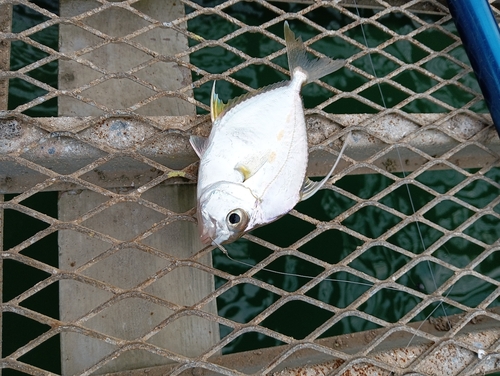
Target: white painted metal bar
{"type": "Point", "coordinates": [62, 149]}
{"type": "Point", "coordinates": [144, 271]}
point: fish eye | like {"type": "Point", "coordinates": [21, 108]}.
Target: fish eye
{"type": "Point", "coordinates": [237, 219]}
{"type": "Point", "coordinates": [234, 218]}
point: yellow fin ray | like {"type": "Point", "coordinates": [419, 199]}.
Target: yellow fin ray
{"type": "Point", "coordinates": [217, 106]}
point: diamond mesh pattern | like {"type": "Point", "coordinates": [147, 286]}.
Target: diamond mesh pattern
{"type": "Point", "coordinates": [393, 244]}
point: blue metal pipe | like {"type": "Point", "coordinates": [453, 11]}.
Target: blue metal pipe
{"type": "Point", "coordinates": [481, 39]}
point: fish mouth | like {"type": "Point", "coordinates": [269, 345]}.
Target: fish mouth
{"type": "Point", "coordinates": [206, 229]}
{"type": "Point", "coordinates": [205, 236]}
{"type": "Point", "coordinates": [208, 234]}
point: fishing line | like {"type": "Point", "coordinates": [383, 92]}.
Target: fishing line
{"type": "Point", "coordinates": [224, 250]}
{"type": "Point", "coordinates": [407, 185]}
{"type": "Point", "coordinates": [366, 284]}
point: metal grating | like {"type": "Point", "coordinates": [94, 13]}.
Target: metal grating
{"type": "Point", "coordinates": [113, 278]}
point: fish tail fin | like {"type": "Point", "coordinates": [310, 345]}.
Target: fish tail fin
{"type": "Point", "coordinates": [297, 58]}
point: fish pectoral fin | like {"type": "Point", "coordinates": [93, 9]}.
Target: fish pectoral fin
{"type": "Point", "coordinates": [199, 144]}
{"type": "Point", "coordinates": [251, 165]}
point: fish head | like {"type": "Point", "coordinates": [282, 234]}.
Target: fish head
{"type": "Point", "coordinates": [226, 211]}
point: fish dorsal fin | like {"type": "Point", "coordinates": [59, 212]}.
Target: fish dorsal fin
{"type": "Point", "coordinates": [251, 165]}
{"type": "Point", "coordinates": [309, 187]}
{"type": "Point", "coordinates": [217, 106]}
{"type": "Point", "coordinates": [199, 144]}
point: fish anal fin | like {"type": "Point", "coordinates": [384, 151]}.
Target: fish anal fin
{"type": "Point", "coordinates": [309, 188]}
{"type": "Point", "coordinates": [251, 165]}
{"type": "Point", "coordinates": [199, 144]}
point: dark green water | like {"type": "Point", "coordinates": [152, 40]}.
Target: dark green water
{"type": "Point", "coordinates": [243, 302]}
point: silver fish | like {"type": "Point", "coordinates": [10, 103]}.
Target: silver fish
{"type": "Point", "coordinates": [253, 164]}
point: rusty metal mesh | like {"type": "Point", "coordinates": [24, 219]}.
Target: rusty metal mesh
{"type": "Point", "coordinates": [119, 152]}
